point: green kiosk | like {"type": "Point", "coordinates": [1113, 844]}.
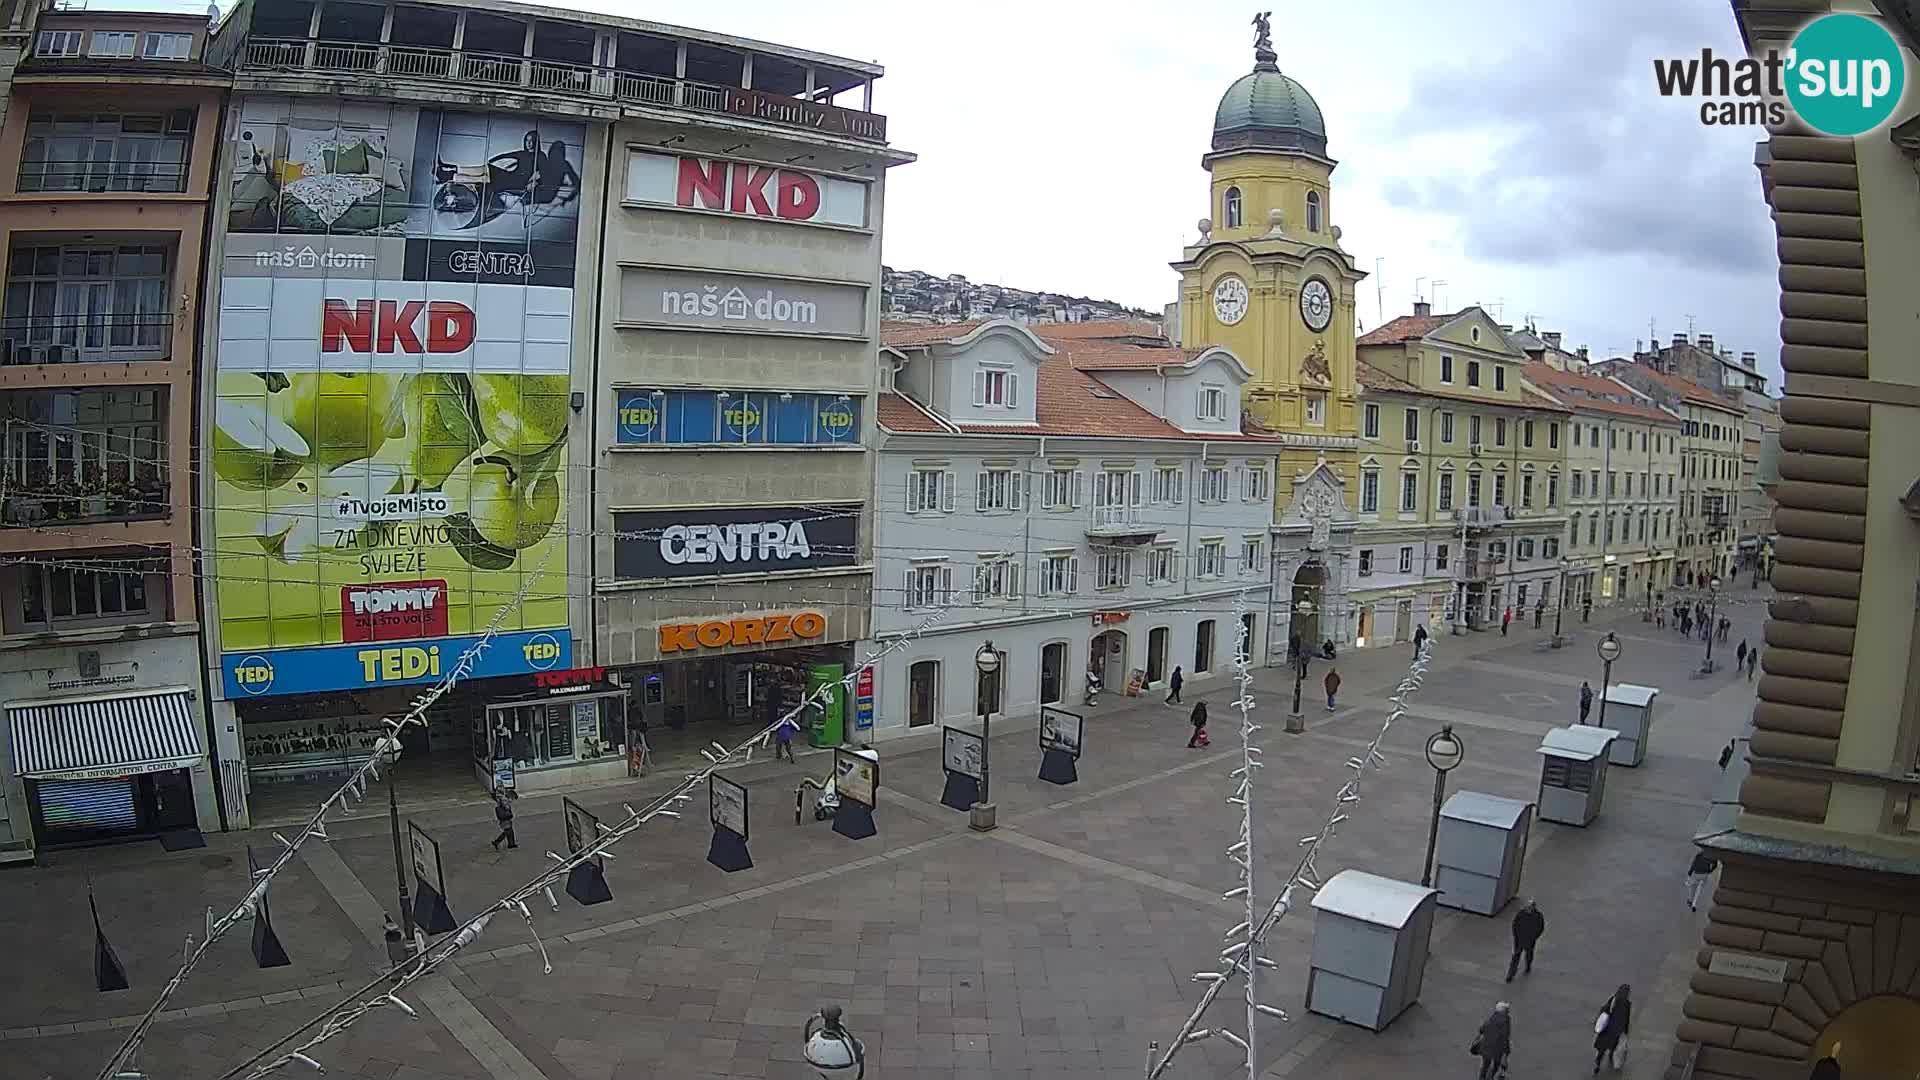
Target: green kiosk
{"type": "Point", "coordinates": [828, 719]}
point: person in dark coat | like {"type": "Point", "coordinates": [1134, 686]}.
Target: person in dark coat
{"type": "Point", "coordinates": [1753, 661]}
{"type": "Point", "coordinates": [1726, 753]}
{"type": "Point", "coordinates": [1699, 872]}
{"type": "Point", "coordinates": [1528, 925]}
{"type": "Point", "coordinates": [1610, 1042]}
{"type": "Point", "coordinates": [1494, 1041]}
{"type": "Point", "coordinates": [1419, 639]}
{"type": "Point", "coordinates": [503, 813]}
{"type": "Point", "coordinates": [1199, 721]}
{"type": "Point", "coordinates": [1333, 686]}
{"type": "Point", "coordinates": [1173, 686]}
{"type": "Point", "coordinates": [1293, 645]}
{"type": "Point", "coordinates": [1586, 700]}
{"type": "Point", "coordinates": [1740, 655]}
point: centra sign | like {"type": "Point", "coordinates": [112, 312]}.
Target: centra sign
{"type": "Point", "coordinates": [728, 633]}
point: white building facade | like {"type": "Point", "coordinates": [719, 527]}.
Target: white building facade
{"type": "Point", "coordinates": [1107, 518]}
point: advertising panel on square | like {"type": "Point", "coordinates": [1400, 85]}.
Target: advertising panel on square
{"type": "Point", "coordinates": [390, 427]}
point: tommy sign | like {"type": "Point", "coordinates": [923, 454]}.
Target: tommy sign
{"type": "Point", "coordinates": [747, 540]}
{"type": "Point", "coordinates": [701, 300]}
{"type": "Point", "coordinates": [393, 611]}
{"type": "Point", "coordinates": [747, 189]}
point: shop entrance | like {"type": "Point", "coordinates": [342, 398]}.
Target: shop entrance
{"type": "Point", "coordinates": [1309, 587]}
{"type": "Point", "coordinates": [1157, 654]}
{"type": "Point", "coordinates": [91, 811]}
{"type": "Point", "coordinates": [1107, 659]}
{"type": "Point", "coordinates": [923, 693]}
{"type": "Point", "coordinates": [683, 705]}
{"type": "Point", "coordinates": [1053, 672]}
{"type": "Point", "coordinates": [1403, 621]}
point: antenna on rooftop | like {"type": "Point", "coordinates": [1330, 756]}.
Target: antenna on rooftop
{"type": "Point", "coordinates": [1437, 305]}
{"type": "Point", "coordinates": [1379, 292]}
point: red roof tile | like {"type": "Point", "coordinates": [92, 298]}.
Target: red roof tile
{"type": "Point", "coordinates": [1372, 378]}
{"type": "Point", "coordinates": [1404, 328]}
{"type": "Point", "coordinates": [1099, 328]}
{"type": "Point", "coordinates": [1104, 355]}
{"type": "Point", "coordinates": [1591, 393]}
{"type": "Point", "coordinates": [907, 334]}
{"type": "Point", "coordinates": [1685, 389]}
{"type": "Point", "coordinates": [899, 413]}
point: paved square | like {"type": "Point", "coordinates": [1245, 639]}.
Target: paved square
{"type": "Point", "coordinates": [1055, 947]}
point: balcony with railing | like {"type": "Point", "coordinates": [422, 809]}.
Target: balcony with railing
{"type": "Point", "coordinates": [1121, 524]}
{"type": "Point", "coordinates": [86, 303]}
{"type": "Point", "coordinates": [593, 64]}
{"type": "Point", "coordinates": [83, 456]}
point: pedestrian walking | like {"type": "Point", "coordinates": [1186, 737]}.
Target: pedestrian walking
{"type": "Point", "coordinates": [1753, 661]}
{"type": "Point", "coordinates": [1539, 612]}
{"type": "Point", "coordinates": [1740, 655]}
{"type": "Point", "coordinates": [1586, 609]}
{"type": "Point", "coordinates": [503, 813]}
{"type": "Point", "coordinates": [783, 739]}
{"type": "Point", "coordinates": [1506, 619]}
{"type": "Point", "coordinates": [1199, 721]}
{"type": "Point", "coordinates": [1660, 617]}
{"type": "Point", "coordinates": [1173, 686]}
{"type": "Point", "coordinates": [1528, 925]}
{"type": "Point", "coordinates": [1726, 627]}
{"type": "Point", "coordinates": [1494, 1041]}
{"type": "Point", "coordinates": [1686, 624]}
{"type": "Point", "coordinates": [1419, 639]}
{"type": "Point", "coordinates": [1586, 700]}
{"type": "Point", "coordinates": [1726, 754]}
{"type": "Point", "coordinates": [1610, 1030]}
{"type": "Point", "coordinates": [1333, 685]}
{"type": "Point", "coordinates": [1293, 645]}
{"type": "Point", "coordinates": [1699, 872]}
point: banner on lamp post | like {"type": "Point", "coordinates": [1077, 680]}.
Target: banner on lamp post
{"type": "Point", "coordinates": [960, 756]}
{"type": "Point", "coordinates": [430, 911]}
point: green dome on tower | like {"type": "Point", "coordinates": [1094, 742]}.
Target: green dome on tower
{"type": "Point", "coordinates": [1266, 109]}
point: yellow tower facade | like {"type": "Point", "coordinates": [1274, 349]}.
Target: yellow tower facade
{"type": "Point", "coordinates": [1269, 280]}
{"type": "Point", "coordinates": [1268, 277]}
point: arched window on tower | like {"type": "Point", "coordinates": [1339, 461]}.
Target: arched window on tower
{"type": "Point", "coordinates": [1233, 208]}
{"type": "Point", "coordinates": [1313, 211]}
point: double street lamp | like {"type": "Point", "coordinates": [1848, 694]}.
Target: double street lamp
{"type": "Point", "coordinates": [986, 663]}
{"type": "Point", "coordinates": [1445, 752]}
{"type": "Point", "coordinates": [831, 1049]}
{"type": "Point", "coordinates": [1609, 649]}
{"type": "Point", "coordinates": [1565, 565]}
{"type": "Point", "coordinates": [392, 758]}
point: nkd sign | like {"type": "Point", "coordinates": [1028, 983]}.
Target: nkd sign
{"type": "Point", "coordinates": [745, 188]}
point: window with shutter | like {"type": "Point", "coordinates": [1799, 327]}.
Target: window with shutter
{"type": "Point", "coordinates": [913, 492]}
{"type": "Point", "coordinates": [946, 491]}
{"type": "Point", "coordinates": [979, 387]}
{"type": "Point", "coordinates": [1013, 390]}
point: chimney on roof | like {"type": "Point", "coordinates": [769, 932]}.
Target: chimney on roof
{"type": "Point", "coordinates": [1679, 340]}
{"type": "Point", "coordinates": [1552, 338]}
{"type": "Point", "coordinates": [1422, 309]}
{"type": "Point", "coordinates": [1747, 359]}
{"type": "Point", "coordinates": [1506, 328]}
{"type": "Point", "coordinates": [1706, 342]}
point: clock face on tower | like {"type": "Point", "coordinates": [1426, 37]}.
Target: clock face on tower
{"type": "Point", "coordinates": [1316, 304]}
{"type": "Point", "coordinates": [1230, 300]}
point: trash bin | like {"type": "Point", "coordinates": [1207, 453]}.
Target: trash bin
{"type": "Point", "coordinates": [1573, 773]}
{"type": "Point", "coordinates": [1478, 855]}
{"type": "Point", "coordinates": [1370, 937]}
{"type": "Point", "coordinates": [1630, 712]}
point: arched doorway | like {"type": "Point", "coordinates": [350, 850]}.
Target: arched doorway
{"type": "Point", "coordinates": [1874, 1037]}
{"type": "Point", "coordinates": [1107, 658]}
{"type": "Point", "coordinates": [1309, 598]}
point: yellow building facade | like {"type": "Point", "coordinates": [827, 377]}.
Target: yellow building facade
{"type": "Point", "coordinates": [1268, 279]}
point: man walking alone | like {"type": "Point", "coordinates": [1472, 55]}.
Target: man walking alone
{"type": "Point", "coordinates": [503, 813]}
{"type": "Point", "coordinates": [1528, 925]}
{"type": "Point", "coordinates": [1333, 686]}
{"type": "Point", "coordinates": [1586, 700]}
{"type": "Point", "coordinates": [1173, 686]}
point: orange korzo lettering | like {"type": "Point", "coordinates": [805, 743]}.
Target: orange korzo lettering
{"type": "Point", "coordinates": [677, 637]}
{"type": "Point", "coordinates": [779, 628]}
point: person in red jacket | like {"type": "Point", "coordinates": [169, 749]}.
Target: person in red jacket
{"type": "Point", "coordinates": [1506, 617]}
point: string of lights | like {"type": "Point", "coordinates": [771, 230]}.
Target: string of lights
{"type": "Point", "coordinates": [382, 992]}
{"type": "Point", "coordinates": [1242, 958]}
{"type": "Point", "coordinates": [118, 1066]}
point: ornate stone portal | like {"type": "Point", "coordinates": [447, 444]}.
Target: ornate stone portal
{"type": "Point", "coordinates": [1312, 541]}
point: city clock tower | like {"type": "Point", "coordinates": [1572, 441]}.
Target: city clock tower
{"type": "Point", "coordinates": [1269, 280]}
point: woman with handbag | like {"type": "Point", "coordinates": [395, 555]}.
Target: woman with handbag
{"type": "Point", "coordinates": [1610, 1030]}
{"type": "Point", "coordinates": [1493, 1042]}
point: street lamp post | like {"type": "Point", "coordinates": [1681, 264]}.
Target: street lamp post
{"type": "Point", "coordinates": [1713, 620]}
{"type": "Point", "coordinates": [1609, 649]}
{"type": "Point", "coordinates": [1647, 615]}
{"type": "Point", "coordinates": [1445, 752]}
{"type": "Point", "coordinates": [830, 1049]}
{"type": "Point", "coordinates": [987, 663]}
{"type": "Point", "coordinates": [1296, 720]}
{"type": "Point", "coordinates": [1561, 604]}
{"type": "Point", "coordinates": [393, 825]}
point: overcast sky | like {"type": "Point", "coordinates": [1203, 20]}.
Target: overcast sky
{"type": "Point", "coordinates": [1514, 149]}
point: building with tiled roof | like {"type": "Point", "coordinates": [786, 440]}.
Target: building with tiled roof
{"type": "Point", "coordinates": [1087, 504]}
{"type": "Point", "coordinates": [1623, 465]}
{"type": "Point", "coordinates": [1462, 483]}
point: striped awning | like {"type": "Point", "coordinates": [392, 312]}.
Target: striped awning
{"type": "Point", "coordinates": [110, 735]}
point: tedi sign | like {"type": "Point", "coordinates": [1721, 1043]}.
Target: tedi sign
{"type": "Point", "coordinates": [653, 544]}
{"type": "Point", "coordinates": [745, 188]}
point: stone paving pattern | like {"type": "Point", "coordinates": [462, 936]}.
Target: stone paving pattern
{"type": "Point", "coordinates": [1055, 947]}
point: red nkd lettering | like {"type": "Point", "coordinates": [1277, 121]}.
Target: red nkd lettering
{"type": "Point", "coordinates": [702, 184]}
{"type": "Point", "coordinates": [392, 326]}
{"type": "Point", "coordinates": [798, 197]}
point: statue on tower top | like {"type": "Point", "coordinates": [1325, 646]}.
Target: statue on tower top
{"type": "Point", "coordinates": [1263, 38]}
